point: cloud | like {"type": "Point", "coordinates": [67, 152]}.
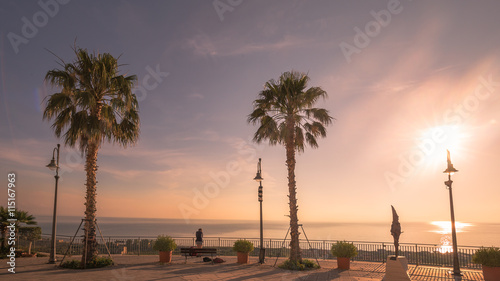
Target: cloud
{"type": "Point", "coordinates": [205, 135]}
{"type": "Point", "coordinates": [196, 96]}
{"type": "Point", "coordinates": [203, 45]}
{"type": "Point", "coordinates": [22, 152]}
{"type": "Point", "coordinates": [286, 42]}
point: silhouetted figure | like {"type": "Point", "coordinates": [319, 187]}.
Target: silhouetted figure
{"type": "Point", "coordinates": [395, 230]}
{"type": "Point", "coordinates": [199, 238]}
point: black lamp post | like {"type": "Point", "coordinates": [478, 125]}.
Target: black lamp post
{"type": "Point", "coordinates": [54, 166]}
{"type": "Point", "coordinates": [259, 178]}
{"type": "Point", "coordinates": [450, 170]}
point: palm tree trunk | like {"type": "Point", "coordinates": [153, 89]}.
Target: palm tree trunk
{"type": "Point", "coordinates": [295, 254]}
{"type": "Point", "coordinates": [90, 238]}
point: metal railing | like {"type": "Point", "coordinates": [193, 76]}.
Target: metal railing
{"type": "Point", "coordinates": [418, 254]}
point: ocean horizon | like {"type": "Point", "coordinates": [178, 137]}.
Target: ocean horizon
{"type": "Point", "coordinates": [471, 234]}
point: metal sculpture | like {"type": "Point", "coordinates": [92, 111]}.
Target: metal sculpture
{"type": "Point", "coordinates": [395, 230]}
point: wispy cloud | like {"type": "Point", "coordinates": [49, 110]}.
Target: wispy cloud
{"type": "Point", "coordinates": [195, 96]}
{"type": "Point", "coordinates": [203, 45]}
{"type": "Point", "coordinates": [24, 154]}
{"type": "Point", "coordinates": [204, 135]}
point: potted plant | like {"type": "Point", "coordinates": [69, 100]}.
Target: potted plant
{"type": "Point", "coordinates": [165, 245]}
{"type": "Point", "coordinates": [344, 251]}
{"type": "Point", "coordinates": [243, 249]}
{"type": "Point", "coordinates": [489, 258]}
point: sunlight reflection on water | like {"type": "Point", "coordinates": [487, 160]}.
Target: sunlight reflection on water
{"type": "Point", "coordinates": [445, 231]}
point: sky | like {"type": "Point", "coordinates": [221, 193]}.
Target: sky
{"type": "Point", "coordinates": [406, 80]}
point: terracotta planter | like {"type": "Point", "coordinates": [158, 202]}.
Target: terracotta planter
{"type": "Point", "coordinates": [491, 273]}
{"type": "Point", "coordinates": [165, 257]}
{"type": "Point", "coordinates": [343, 263]}
{"type": "Point", "coordinates": [242, 257]}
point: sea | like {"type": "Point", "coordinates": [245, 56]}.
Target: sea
{"type": "Point", "coordinates": [435, 233]}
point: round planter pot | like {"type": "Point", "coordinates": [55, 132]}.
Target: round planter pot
{"type": "Point", "coordinates": [491, 273]}
{"type": "Point", "coordinates": [165, 257]}
{"type": "Point", "coordinates": [344, 263]}
{"type": "Point", "coordinates": [242, 257]}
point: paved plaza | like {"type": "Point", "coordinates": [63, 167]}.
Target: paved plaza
{"type": "Point", "coordinates": [135, 268]}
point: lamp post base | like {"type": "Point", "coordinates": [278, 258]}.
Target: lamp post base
{"type": "Point", "coordinates": [262, 255]}
{"type": "Point", "coordinates": [456, 276]}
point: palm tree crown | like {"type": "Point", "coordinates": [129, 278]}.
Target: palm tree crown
{"type": "Point", "coordinates": [287, 102]}
{"type": "Point", "coordinates": [95, 103]}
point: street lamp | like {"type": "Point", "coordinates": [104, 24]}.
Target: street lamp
{"type": "Point", "coordinates": [54, 166]}
{"type": "Point", "coordinates": [259, 178]}
{"type": "Point", "coordinates": [450, 170]}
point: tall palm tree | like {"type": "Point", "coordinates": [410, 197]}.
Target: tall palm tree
{"type": "Point", "coordinates": [284, 110]}
{"type": "Point", "coordinates": [95, 104]}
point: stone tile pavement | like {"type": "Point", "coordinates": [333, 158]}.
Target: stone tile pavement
{"type": "Point", "coordinates": [135, 268]}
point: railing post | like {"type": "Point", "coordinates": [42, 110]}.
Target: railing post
{"type": "Point", "coordinates": [416, 254]}
{"type": "Point", "coordinates": [269, 246]}
{"type": "Point", "coordinates": [383, 253]}
{"type": "Point", "coordinates": [324, 250]}
{"type": "Point", "coordinates": [139, 246]}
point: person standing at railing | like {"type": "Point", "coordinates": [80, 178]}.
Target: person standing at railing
{"type": "Point", "coordinates": [199, 238]}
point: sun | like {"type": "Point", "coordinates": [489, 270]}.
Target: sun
{"type": "Point", "coordinates": [433, 142]}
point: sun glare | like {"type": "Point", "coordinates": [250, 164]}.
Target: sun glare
{"type": "Point", "coordinates": [433, 143]}
{"type": "Point", "coordinates": [445, 226]}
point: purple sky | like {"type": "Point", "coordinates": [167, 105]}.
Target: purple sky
{"type": "Point", "coordinates": [406, 81]}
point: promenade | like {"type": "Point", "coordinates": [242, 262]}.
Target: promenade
{"type": "Point", "coordinates": [128, 268]}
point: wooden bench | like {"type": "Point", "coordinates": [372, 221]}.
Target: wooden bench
{"type": "Point", "coordinates": [193, 252]}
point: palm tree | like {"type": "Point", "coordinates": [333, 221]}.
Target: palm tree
{"type": "Point", "coordinates": [23, 217]}
{"type": "Point", "coordinates": [4, 216]}
{"type": "Point", "coordinates": [95, 104]}
{"type": "Point", "coordinates": [284, 110]}
{"type": "Point", "coordinates": [20, 216]}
